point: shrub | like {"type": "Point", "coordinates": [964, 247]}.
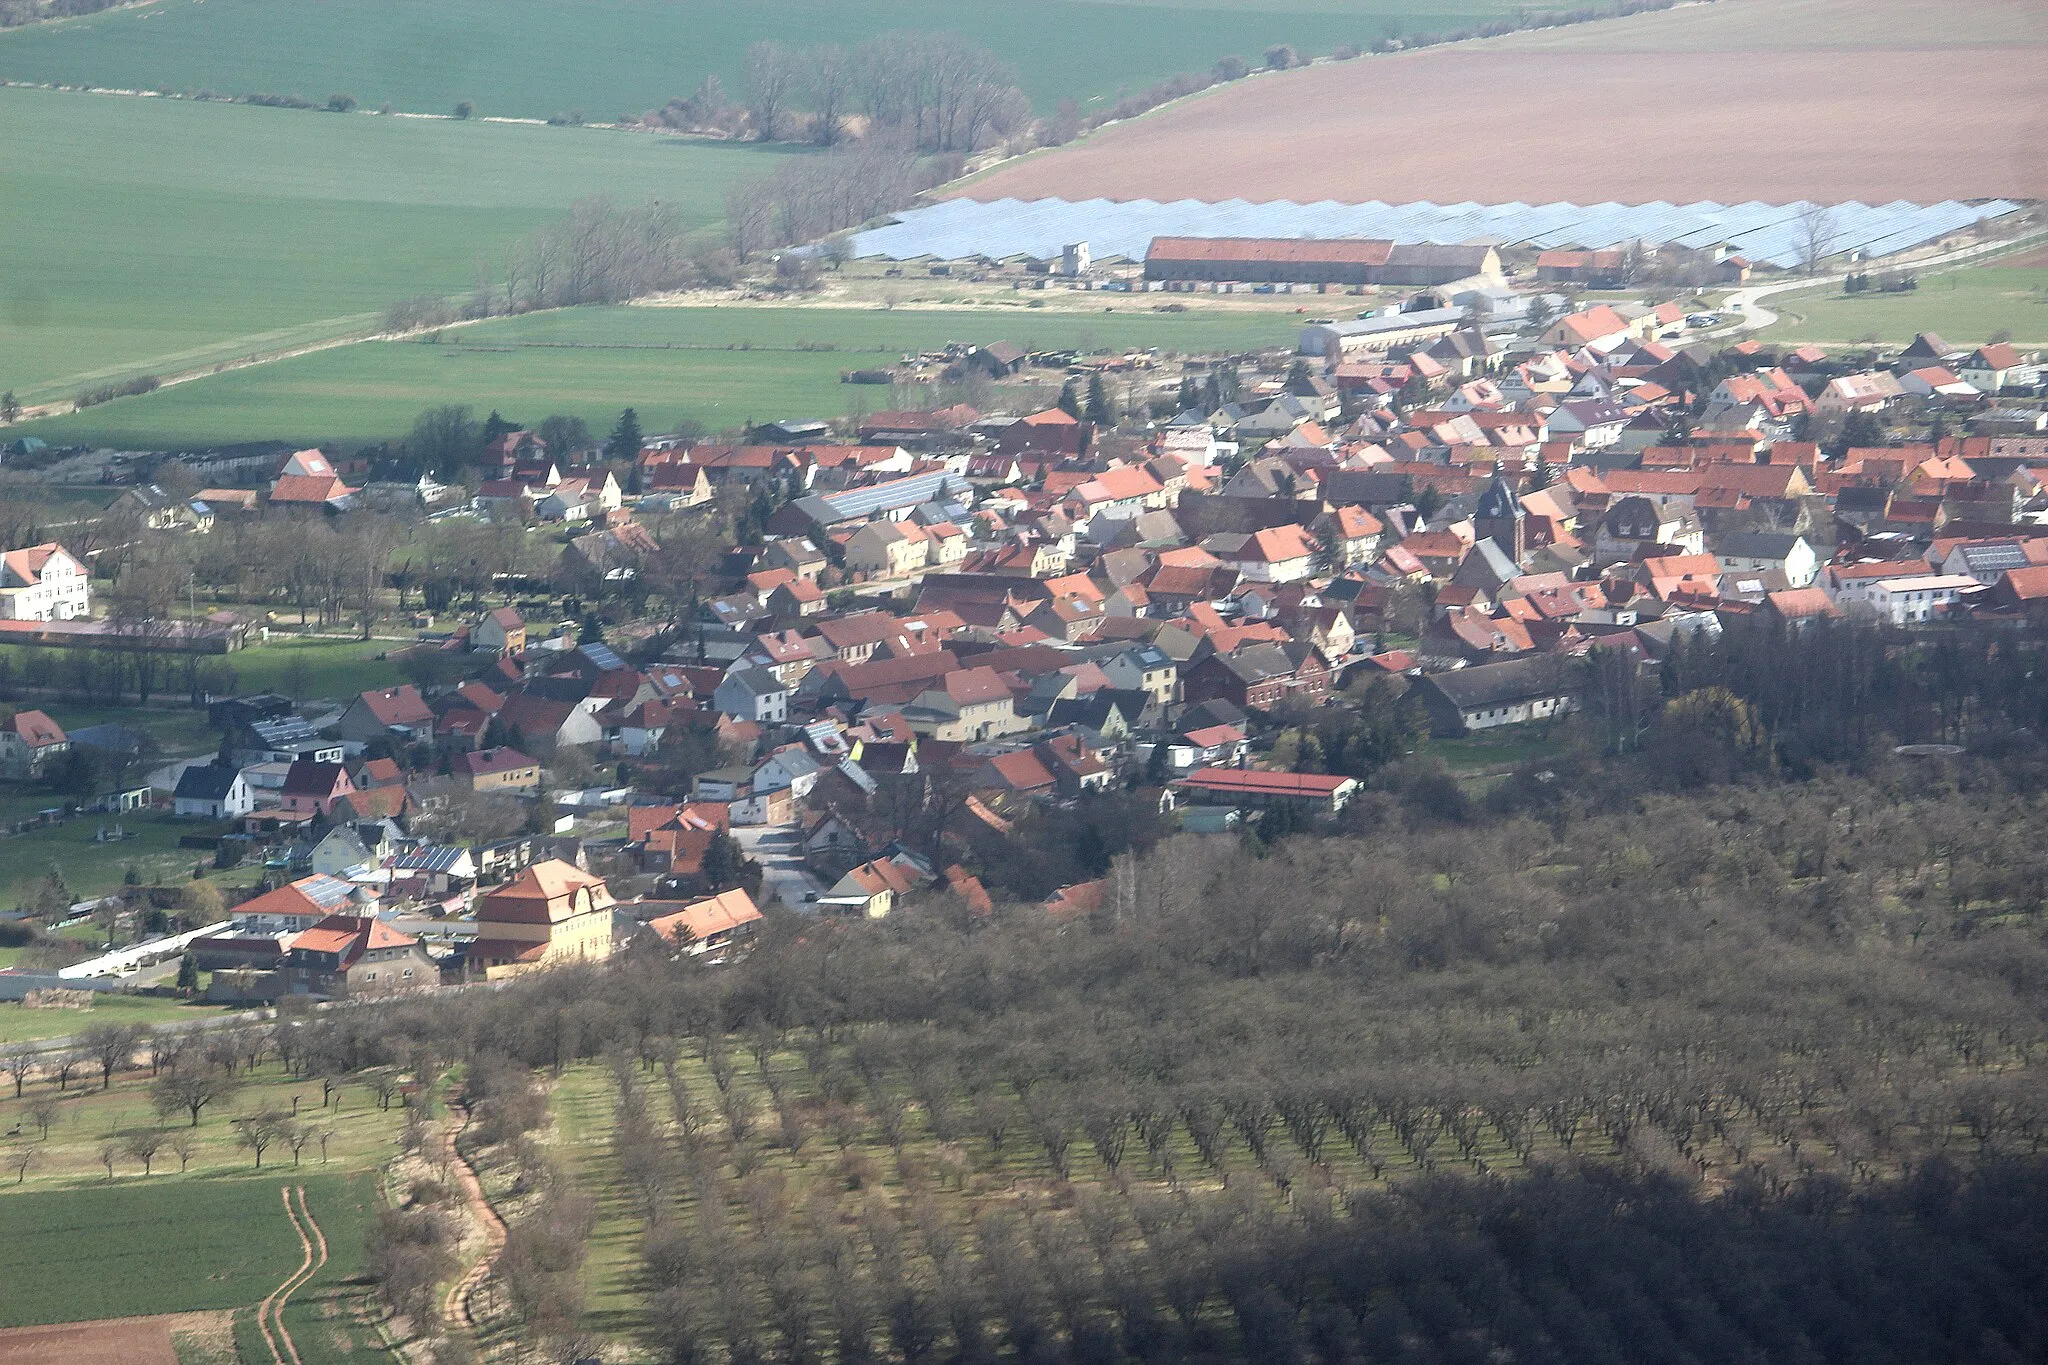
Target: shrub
{"type": "Point", "coordinates": [465, 108]}
{"type": "Point", "coordinates": [341, 104]}
{"type": "Point", "coordinates": [1230, 69]}
{"type": "Point", "coordinates": [1280, 56]}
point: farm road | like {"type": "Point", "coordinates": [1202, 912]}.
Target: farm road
{"type": "Point", "coordinates": [270, 1313]}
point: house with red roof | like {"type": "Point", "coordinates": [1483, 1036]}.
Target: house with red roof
{"type": "Point", "coordinates": [312, 788]}
{"type": "Point", "coordinates": [715, 925]}
{"type": "Point", "coordinates": [43, 583]}
{"type": "Point", "coordinates": [308, 481]}
{"type": "Point", "coordinates": [399, 713]}
{"type": "Point", "coordinates": [29, 741]}
{"type": "Point", "coordinates": [1324, 793]}
{"type": "Point", "coordinates": [354, 955]}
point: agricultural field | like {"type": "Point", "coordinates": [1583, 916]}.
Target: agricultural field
{"type": "Point", "coordinates": [1965, 306]}
{"type": "Point", "coordinates": [721, 366]}
{"type": "Point", "coordinates": [178, 1246]}
{"type": "Point", "coordinates": [1890, 99]}
{"type": "Point", "coordinates": [623, 56]}
{"type": "Point", "coordinates": [167, 236]}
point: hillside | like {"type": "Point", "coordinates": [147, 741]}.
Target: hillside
{"type": "Point", "coordinates": [165, 235]}
{"type": "Point", "coordinates": [529, 58]}
{"type": "Point", "coordinates": [1739, 100]}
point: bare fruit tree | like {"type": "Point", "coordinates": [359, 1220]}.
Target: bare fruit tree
{"type": "Point", "coordinates": [1818, 231]}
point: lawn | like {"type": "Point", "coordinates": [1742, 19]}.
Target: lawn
{"type": "Point", "coordinates": [530, 58]}
{"type": "Point", "coordinates": [332, 669]}
{"type": "Point", "coordinates": [168, 1245]}
{"type": "Point", "coordinates": [19, 1023]}
{"type": "Point", "coordinates": [93, 869]}
{"type": "Point", "coordinates": [167, 235]}
{"type": "Point", "coordinates": [1965, 306]}
{"type": "Point", "coordinates": [669, 363]}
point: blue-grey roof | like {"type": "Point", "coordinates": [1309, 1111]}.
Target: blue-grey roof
{"type": "Point", "coordinates": [205, 782]}
{"type": "Point", "coordinates": [894, 495]}
{"type": "Point", "coordinates": [285, 733]}
{"type": "Point", "coordinates": [1039, 228]}
{"type": "Point", "coordinates": [429, 858]}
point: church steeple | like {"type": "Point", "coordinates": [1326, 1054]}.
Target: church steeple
{"type": "Point", "coordinates": [1500, 518]}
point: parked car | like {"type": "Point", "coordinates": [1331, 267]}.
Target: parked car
{"type": "Point", "coordinates": [1702, 319]}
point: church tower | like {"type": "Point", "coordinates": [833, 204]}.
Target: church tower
{"type": "Point", "coordinates": [1499, 517]}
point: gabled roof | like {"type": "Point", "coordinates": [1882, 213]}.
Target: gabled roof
{"type": "Point", "coordinates": [35, 729]}
{"type": "Point", "coordinates": [401, 705]}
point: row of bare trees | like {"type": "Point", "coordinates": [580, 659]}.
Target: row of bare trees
{"type": "Point", "coordinates": [930, 91]}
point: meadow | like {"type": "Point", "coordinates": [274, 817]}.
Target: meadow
{"type": "Point", "coordinates": [165, 236]}
{"type": "Point", "coordinates": [19, 1023]}
{"type": "Point", "coordinates": [532, 58]}
{"type": "Point", "coordinates": [719, 366]}
{"type": "Point", "coordinates": [1965, 306]}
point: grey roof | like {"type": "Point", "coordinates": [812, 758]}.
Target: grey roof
{"type": "Point", "coordinates": [956, 228]}
{"type": "Point", "coordinates": [288, 732]}
{"type": "Point", "coordinates": [429, 858]}
{"type": "Point", "coordinates": [1757, 544]}
{"type": "Point", "coordinates": [761, 682]}
{"type": "Point", "coordinates": [1511, 681]}
{"type": "Point", "coordinates": [894, 495]}
{"type": "Point", "coordinates": [205, 782]}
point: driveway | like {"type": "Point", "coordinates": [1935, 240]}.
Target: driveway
{"type": "Point", "coordinates": [779, 851]}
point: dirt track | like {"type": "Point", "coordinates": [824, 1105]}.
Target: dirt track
{"type": "Point", "coordinates": [1744, 99]}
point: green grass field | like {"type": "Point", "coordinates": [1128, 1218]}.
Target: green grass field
{"type": "Point", "coordinates": [165, 236]}
{"type": "Point", "coordinates": [528, 58]}
{"type": "Point", "coordinates": [169, 1246]}
{"type": "Point", "coordinates": [593, 362]}
{"type": "Point", "coordinates": [1966, 306]}
{"type": "Point", "coordinates": [18, 1023]}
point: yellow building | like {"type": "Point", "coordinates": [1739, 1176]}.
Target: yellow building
{"type": "Point", "coordinates": [550, 914]}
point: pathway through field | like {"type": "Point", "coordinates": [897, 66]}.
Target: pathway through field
{"type": "Point", "coordinates": [270, 1313]}
{"type": "Point", "coordinates": [455, 1311]}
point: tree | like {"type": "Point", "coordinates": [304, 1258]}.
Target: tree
{"type": "Point", "coordinates": [257, 1132]}
{"type": "Point", "coordinates": [623, 444]}
{"type": "Point", "coordinates": [189, 1089]}
{"type": "Point", "coordinates": [562, 435]}
{"type": "Point", "coordinates": [143, 1146]}
{"type": "Point", "coordinates": [1070, 399]}
{"type": "Point", "coordinates": [43, 1111]}
{"type": "Point", "coordinates": [465, 108]}
{"type": "Point", "coordinates": [828, 82]}
{"type": "Point", "coordinates": [341, 104]}
{"type": "Point", "coordinates": [771, 77]}
{"type": "Point", "coordinates": [21, 1158]}
{"type": "Point", "coordinates": [1817, 234]}
{"type": "Point", "coordinates": [17, 1060]}
{"type": "Point", "coordinates": [1098, 410]}
{"type": "Point", "coordinates": [10, 407]}
{"type": "Point", "coordinates": [188, 974]}
{"type": "Point", "coordinates": [444, 440]}
{"type": "Point", "coordinates": [1280, 56]}
{"type": "Point", "coordinates": [111, 1045]}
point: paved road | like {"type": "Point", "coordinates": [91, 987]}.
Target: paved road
{"type": "Point", "coordinates": [778, 849]}
{"type": "Point", "coordinates": [1753, 317]}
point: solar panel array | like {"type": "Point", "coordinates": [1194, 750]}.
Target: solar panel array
{"type": "Point", "coordinates": [1038, 228]}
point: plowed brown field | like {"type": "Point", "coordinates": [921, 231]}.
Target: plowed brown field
{"type": "Point", "coordinates": [116, 1341]}
{"type": "Point", "coordinates": [1741, 99]}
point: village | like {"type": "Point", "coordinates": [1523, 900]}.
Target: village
{"type": "Point", "coordinates": [834, 668]}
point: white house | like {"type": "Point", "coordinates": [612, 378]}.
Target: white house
{"type": "Point", "coordinates": [43, 583]}
{"type": "Point", "coordinates": [213, 791]}
{"type": "Point", "coordinates": [754, 694]}
{"type": "Point", "coordinates": [1763, 551]}
{"type": "Point", "coordinates": [1903, 601]}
